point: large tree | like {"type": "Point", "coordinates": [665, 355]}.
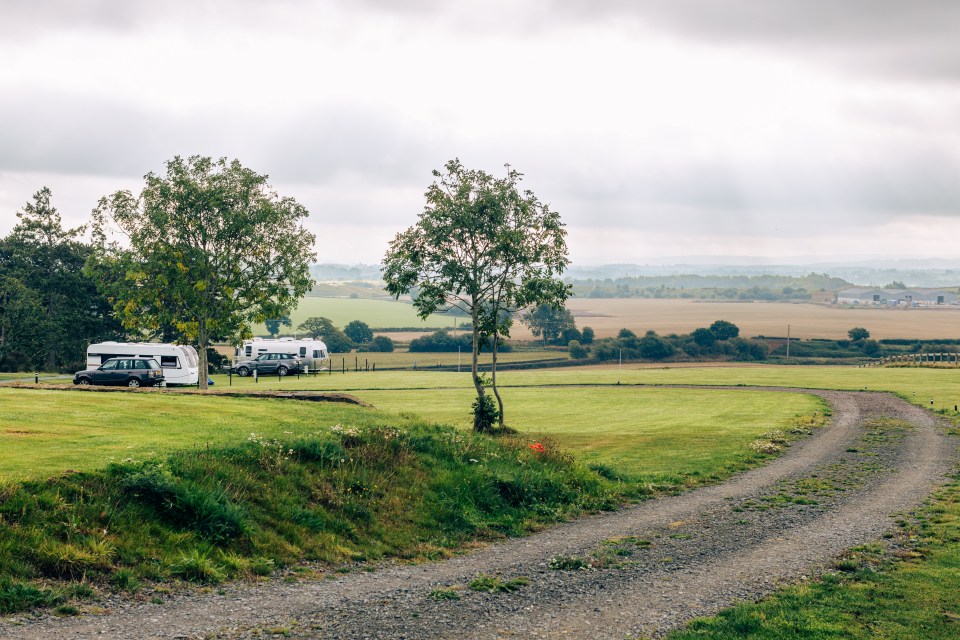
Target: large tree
{"type": "Point", "coordinates": [209, 248]}
{"type": "Point", "coordinates": [549, 322]}
{"type": "Point", "coordinates": [41, 266]}
{"type": "Point", "coordinates": [486, 248]}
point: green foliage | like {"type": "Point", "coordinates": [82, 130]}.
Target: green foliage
{"type": "Point", "coordinates": [213, 514]}
{"type": "Point", "coordinates": [358, 331]}
{"type": "Point", "coordinates": [577, 350]}
{"type": "Point", "coordinates": [552, 323]}
{"type": "Point", "coordinates": [481, 246]}
{"type": "Point", "coordinates": [655, 348]}
{"type": "Point", "coordinates": [703, 337]}
{"type": "Point", "coordinates": [185, 504]}
{"type": "Point", "coordinates": [485, 414]}
{"type": "Point", "coordinates": [49, 311]}
{"type": "Point", "coordinates": [273, 325]}
{"type": "Point", "coordinates": [723, 330]}
{"type": "Point", "coordinates": [381, 344]}
{"type": "Point", "coordinates": [317, 326]}
{"type": "Point", "coordinates": [320, 327]}
{"type": "Point", "coordinates": [858, 333]}
{"type": "Point", "coordinates": [587, 335]}
{"type": "Point", "coordinates": [17, 596]}
{"type": "Point", "coordinates": [442, 342]}
{"type": "Point", "coordinates": [208, 249]}
{"type": "Point", "coordinates": [495, 584]}
{"type": "Point", "coordinates": [568, 563]}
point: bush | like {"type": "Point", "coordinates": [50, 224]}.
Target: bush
{"type": "Point", "coordinates": [358, 331]}
{"type": "Point", "coordinates": [485, 414]}
{"type": "Point", "coordinates": [655, 348]}
{"type": "Point", "coordinates": [577, 350]}
{"type": "Point", "coordinates": [442, 342]}
{"type": "Point", "coordinates": [379, 344]}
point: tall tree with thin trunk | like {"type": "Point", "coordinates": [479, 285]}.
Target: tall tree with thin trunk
{"type": "Point", "coordinates": [485, 247]}
{"type": "Point", "coordinates": [208, 248]}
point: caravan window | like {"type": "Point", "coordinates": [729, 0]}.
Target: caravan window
{"type": "Point", "coordinates": [303, 351]}
{"type": "Point", "coordinates": [249, 350]}
{"type": "Point", "coordinates": [106, 356]}
{"type": "Point", "coordinates": [318, 353]}
{"type": "Point", "coordinates": [169, 362]}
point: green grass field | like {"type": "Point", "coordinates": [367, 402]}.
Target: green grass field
{"type": "Point", "coordinates": [618, 418]}
{"type": "Point", "coordinates": [376, 313]}
{"type": "Point", "coordinates": [408, 360]}
{"type": "Point", "coordinates": [44, 433]}
{"type": "Point", "coordinates": [918, 385]}
{"type": "Point", "coordinates": [664, 435]}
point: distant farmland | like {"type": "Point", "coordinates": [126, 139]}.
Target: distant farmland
{"type": "Point", "coordinates": [376, 313]}
{"type": "Point", "coordinates": [609, 315]}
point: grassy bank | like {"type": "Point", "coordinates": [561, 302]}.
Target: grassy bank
{"type": "Point", "coordinates": [334, 495]}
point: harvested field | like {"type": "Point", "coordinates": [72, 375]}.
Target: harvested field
{"type": "Point", "coordinates": [608, 316]}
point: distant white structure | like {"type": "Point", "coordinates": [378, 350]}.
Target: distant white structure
{"type": "Point", "coordinates": [312, 352]}
{"type": "Point", "coordinates": [896, 297]}
{"type": "Point", "coordinates": [179, 362]}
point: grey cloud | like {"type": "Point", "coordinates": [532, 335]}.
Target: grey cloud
{"type": "Point", "coordinates": [72, 135]}
{"type": "Point", "coordinates": [916, 38]}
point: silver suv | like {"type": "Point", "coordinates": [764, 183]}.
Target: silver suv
{"type": "Point", "coordinates": [278, 363]}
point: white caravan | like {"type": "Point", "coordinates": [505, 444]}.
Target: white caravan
{"type": "Point", "coordinates": [311, 352]}
{"type": "Point", "coordinates": [179, 362]}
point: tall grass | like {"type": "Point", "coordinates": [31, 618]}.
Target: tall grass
{"type": "Point", "coordinates": [340, 494]}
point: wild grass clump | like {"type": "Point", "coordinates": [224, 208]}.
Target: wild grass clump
{"type": "Point", "coordinates": [336, 495]}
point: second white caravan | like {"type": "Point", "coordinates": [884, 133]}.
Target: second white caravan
{"type": "Point", "coordinates": [312, 352]}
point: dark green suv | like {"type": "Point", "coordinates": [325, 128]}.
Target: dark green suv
{"type": "Point", "coordinates": [278, 363]}
{"type": "Point", "coordinates": [132, 372]}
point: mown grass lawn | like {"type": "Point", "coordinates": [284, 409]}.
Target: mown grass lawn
{"type": "Point", "coordinates": [656, 435]}
{"type": "Point", "coordinates": [44, 433]}
{"type": "Point", "coordinates": [659, 434]}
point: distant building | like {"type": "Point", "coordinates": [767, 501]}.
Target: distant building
{"type": "Point", "coordinates": [896, 297]}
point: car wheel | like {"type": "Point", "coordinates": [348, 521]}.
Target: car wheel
{"type": "Point", "coordinates": [281, 370]}
{"type": "Point", "coordinates": [84, 382]}
{"type": "Point", "coordinates": [243, 372]}
{"type": "Point", "coordinates": [133, 383]}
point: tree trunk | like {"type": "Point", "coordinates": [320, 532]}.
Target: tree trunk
{"type": "Point", "coordinates": [474, 363]}
{"type": "Point", "coordinates": [202, 339]}
{"type": "Point", "coordinates": [493, 377]}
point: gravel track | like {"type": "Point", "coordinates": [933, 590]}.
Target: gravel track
{"type": "Point", "coordinates": [656, 565]}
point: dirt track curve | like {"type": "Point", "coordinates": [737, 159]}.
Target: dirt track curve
{"type": "Point", "coordinates": [659, 563]}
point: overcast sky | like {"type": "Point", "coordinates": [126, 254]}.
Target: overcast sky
{"type": "Point", "coordinates": [788, 129]}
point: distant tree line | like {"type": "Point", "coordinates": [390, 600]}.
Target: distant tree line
{"type": "Point", "coordinates": [740, 287]}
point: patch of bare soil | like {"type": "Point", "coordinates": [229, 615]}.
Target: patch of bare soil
{"type": "Point", "coordinates": [309, 396]}
{"type": "Point", "coordinates": [641, 571]}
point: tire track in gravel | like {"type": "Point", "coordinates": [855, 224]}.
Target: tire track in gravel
{"type": "Point", "coordinates": [683, 556]}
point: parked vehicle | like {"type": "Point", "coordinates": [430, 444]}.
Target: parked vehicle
{"type": "Point", "coordinates": [267, 363]}
{"type": "Point", "coordinates": [312, 353]}
{"type": "Point", "coordinates": [132, 372]}
{"type": "Point", "coordinates": [179, 362]}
